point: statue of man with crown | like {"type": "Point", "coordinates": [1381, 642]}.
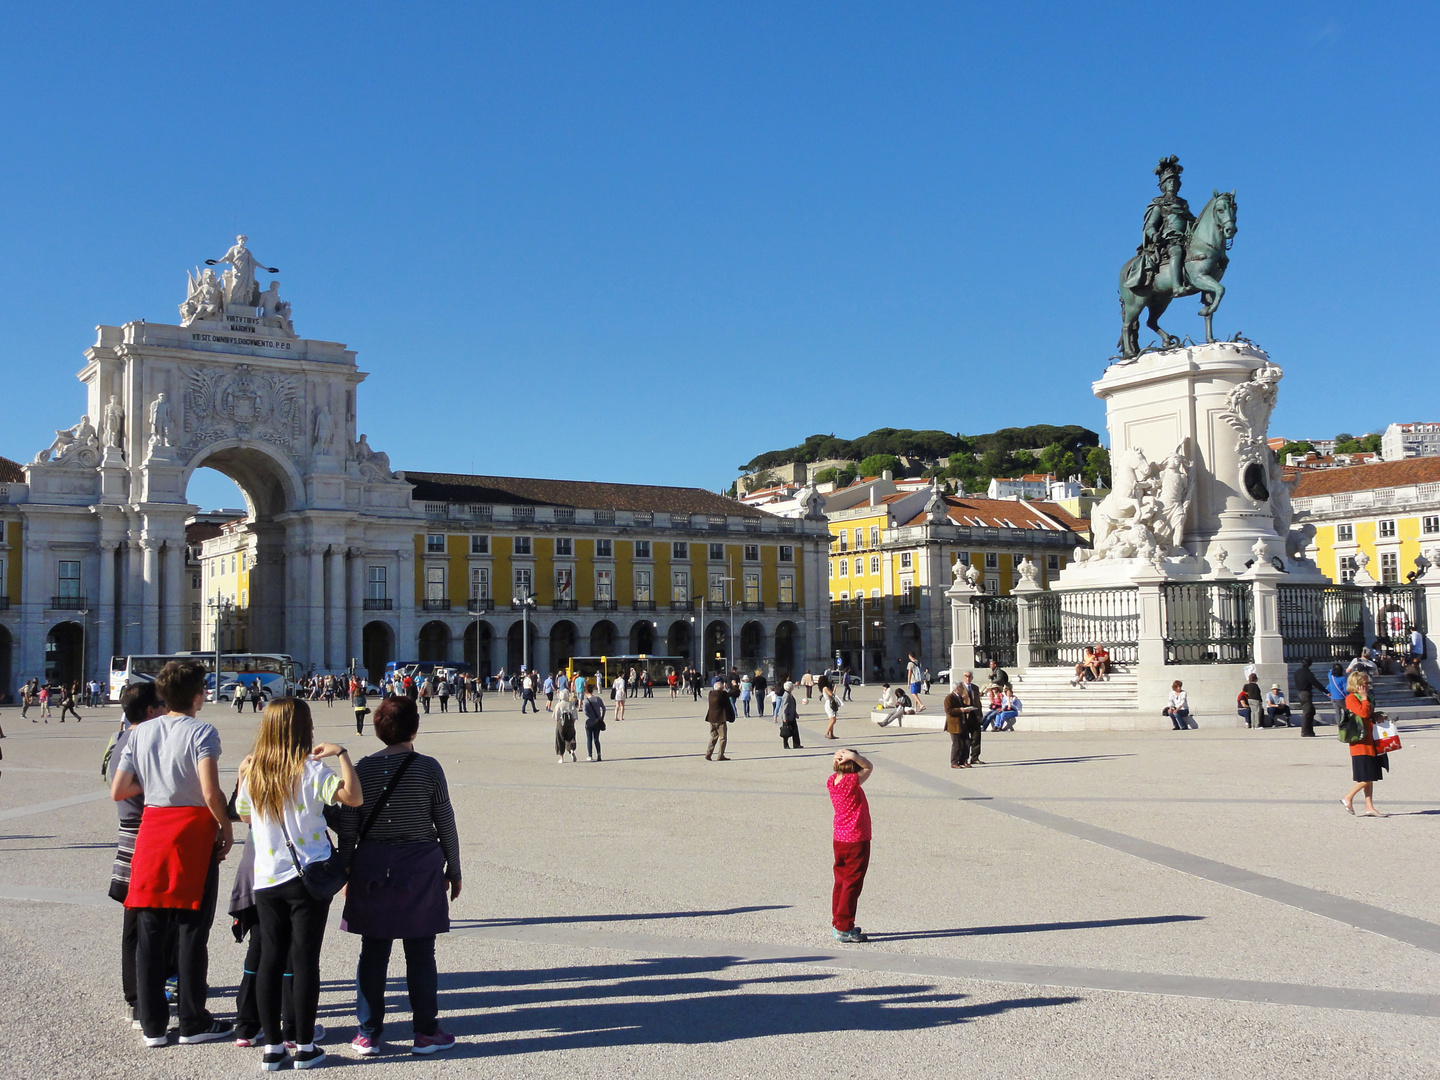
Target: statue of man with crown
{"type": "Point", "coordinates": [1168, 222]}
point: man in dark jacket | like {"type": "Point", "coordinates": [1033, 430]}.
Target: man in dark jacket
{"type": "Point", "coordinates": [962, 721]}
{"type": "Point", "coordinates": [1306, 687]}
{"type": "Point", "coordinates": [718, 714]}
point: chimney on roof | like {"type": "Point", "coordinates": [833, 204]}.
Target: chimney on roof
{"type": "Point", "coordinates": [887, 475]}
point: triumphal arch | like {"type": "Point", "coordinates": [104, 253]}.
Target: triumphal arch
{"type": "Point", "coordinates": [229, 386]}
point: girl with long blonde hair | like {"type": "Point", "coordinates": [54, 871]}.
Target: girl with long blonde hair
{"type": "Point", "coordinates": [284, 788]}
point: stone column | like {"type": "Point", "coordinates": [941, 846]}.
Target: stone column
{"type": "Point", "coordinates": [1431, 581]}
{"type": "Point", "coordinates": [1269, 645]}
{"type": "Point", "coordinates": [962, 628]}
{"type": "Point", "coordinates": [315, 603]}
{"type": "Point", "coordinates": [1027, 612]}
{"type": "Point", "coordinates": [150, 600]}
{"type": "Point", "coordinates": [34, 600]}
{"type": "Point", "coordinates": [297, 642]}
{"type": "Point", "coordinates": [355, 606]}
{"type": "Point", "coordinates": [406, 643]}
{"type": "Point", "coordinates": [335, 621]}
{"type": "Point", "coordinates": [173, 615]}
{"type": "Point", "coordinates": [105, 605]}
{"type": "Point", "coordinates": [132, 610]}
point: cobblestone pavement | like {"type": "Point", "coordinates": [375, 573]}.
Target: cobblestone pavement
{"type": "Point", "coordinates": [1155, 904]}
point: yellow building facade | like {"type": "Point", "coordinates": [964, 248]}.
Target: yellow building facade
{"type": "Point", "coordinates": [1382, 516]}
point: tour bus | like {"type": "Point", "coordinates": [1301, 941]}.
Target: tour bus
{"type": "Point", "coordinates": [276, 671]}
{"type": "Point", "coordinates": [605, 668]}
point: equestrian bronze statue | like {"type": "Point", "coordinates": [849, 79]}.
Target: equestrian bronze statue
{"type": "Point", "coordinates": [1180, 255]}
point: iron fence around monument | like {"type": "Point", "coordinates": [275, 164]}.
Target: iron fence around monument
{"type": "Point", "coordinates": [997, 630]}
{"type": "Point", "coordinates": [1064, 622]}
{"type": "Point", "coordinates": [1208, 622]}
{"type": "Point", "coordinates": [1395, 610]}
{"type": "Point", "coordinates": [1321, 623]}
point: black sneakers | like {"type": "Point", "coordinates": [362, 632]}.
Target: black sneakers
{"type": "Point", "coordinates": [218, 1029]}
{"type": "Point", "coordinates": [308, 1059]}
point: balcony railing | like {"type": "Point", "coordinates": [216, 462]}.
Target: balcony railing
{"type": "Point", "coordinates": [378, 603]}
{"type": "Point", "coordinates": [604, 605]}
{"type": "Point", "coordinates": [4, 603]}
{"type": "Point", "coordinates": [522, 513]}
{"type": "Point", "coordinates": [787, 605]}
{"type": "Point", "coordinates": [604, 517]}
{"type": "Point", "coordinates": [437, 605]}
{"type": "Point", "coordinates": [67, 603]}
{"type": "Point", "coordinates": [682, 605]}
{"type": "Point", "coordinates": [563, 605]}
{"type": "Point", "coordinates": [752, 605]}
{"type": "Point", "coordinates": [480, 603]}
{"type": "Point", "coordinates": [643, 605]}
{"type": "Point", "coordinates": [565, 514]}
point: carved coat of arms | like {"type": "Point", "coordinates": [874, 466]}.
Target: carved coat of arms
{"type": "Point", "coordinates": [239, 402]}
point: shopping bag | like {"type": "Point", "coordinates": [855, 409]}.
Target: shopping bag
{"type": "Point", "coordinates": [1386, 737]}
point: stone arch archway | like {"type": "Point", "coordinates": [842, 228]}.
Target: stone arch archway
{"type": "Point", "coordinates": [64, 645]}
{"type": "Point", "coordinates": [642, 637]}
{"type": "Point", "coordinates": [6, 663]}
{"type": "Point", "coordinates": [269, 481]}
{"type": "Point", "coordinates": [603, 637]}
{"type": "Point", "coordinates": [434, 641]}
{"type": "Point", "coordinates": [479, 641]}
{"type": "Point", "coordinates": [751, 646]}
{"type": "Point", "coordinates": [378, 648]}
{"type": "Point", "coordinates": [563, 638]}
{"type": "Point", "coordinates": [677, 642]}
{"type": "Point", "coordinates": [785, 635]}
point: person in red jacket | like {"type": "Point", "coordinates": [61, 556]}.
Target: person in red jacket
{"type": "Point", "coordinates": [1366, 766]}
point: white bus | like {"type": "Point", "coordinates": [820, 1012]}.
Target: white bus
{"type": "Point", "coordinates": [276, 671]}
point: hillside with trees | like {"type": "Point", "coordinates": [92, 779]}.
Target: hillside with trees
{"type": "Point", "coordinates": [969, 462]}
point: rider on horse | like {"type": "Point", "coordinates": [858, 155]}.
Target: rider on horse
{"type": "Point", "coordinates": [1168, 222]}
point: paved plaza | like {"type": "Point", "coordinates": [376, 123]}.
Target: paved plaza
{"type": "Point", "coordinates": [1152, 904]}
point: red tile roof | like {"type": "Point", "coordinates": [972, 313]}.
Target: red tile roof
{"type": "Point", "coordinates": [1003, 513]}
{"type": "Point", "coordinates": [11, 472]}
{"type": "Point", "coordinates": [1383, 474]}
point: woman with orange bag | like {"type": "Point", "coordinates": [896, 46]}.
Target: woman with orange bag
{"type": "Point", "coordinates": [1365, 765]}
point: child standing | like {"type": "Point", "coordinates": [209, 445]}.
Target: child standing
{"type": "Point", "coordinates": [852, 841]}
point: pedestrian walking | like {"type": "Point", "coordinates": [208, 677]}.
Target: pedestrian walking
{"type": "Point", "coordinates": [1366, 765]}
{"type": "Point", "coordinates": [789, 712]}
{"type": "Point", "coordinates": [719, 713]}
{"type": "Point", "coordinates": [284, 789]}
{"type": "Point", "coordinates": [1307, 686]}
{"type": "Point", "coordinates": [849, 772]}
{"type": "Point", "coordinates": [359, 704]}
{"type": "Point", "coordinates": [832, 708]}
{"type": "Point", "coordinates": [594, 708]}
{"type": "Point", "coordinates": [1335, 684]}
{"type": "Point", "coordinates": [404, 856]}
{"type": "Point", "coordinates": [746, 689]}
{"type": "Point", "coordinates": [565, 717]}
{"type": "Point", "coordinates": [173, 763]}
{"type": "Point", "coordinates": [68, 694]}
{"type": "Point", "coordinates": [617, 692]}
{"type": "Point", "coordinates": [807, 681]}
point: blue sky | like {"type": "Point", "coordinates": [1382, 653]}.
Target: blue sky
{"type": "Point", "coordinates": [643, 242]}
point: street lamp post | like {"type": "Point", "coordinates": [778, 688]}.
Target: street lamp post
{"type": "Point", "coordinates": [525, 604]}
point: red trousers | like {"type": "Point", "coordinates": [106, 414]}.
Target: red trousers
{"type": "Point", "coordinates": [851, 862]}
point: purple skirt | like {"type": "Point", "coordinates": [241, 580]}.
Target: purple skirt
{"type": "Point", "coordinates": [397, 891]}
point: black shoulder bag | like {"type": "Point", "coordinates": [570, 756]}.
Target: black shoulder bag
{"type": "Point", "coordinates": [322, 880]}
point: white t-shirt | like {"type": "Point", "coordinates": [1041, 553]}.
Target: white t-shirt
{"type": "Point", "coordinates": [303, 818]}
{"type": "Point", "coordinates": [619, 687]}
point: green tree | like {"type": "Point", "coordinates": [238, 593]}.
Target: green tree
{"type": "Point", "coordinates": [1097, 468]}
{"type": "Point", "coordinates": [761, 480]}
{"type": "Point", "coordinates": [876, 464]}
{"type": "Point", "coordinates": [1298, 448]}
{"type": "Point", "coordinates": [1370, 442]}
{"type": "Point", "coordinates": [846, 476]}
{"type": "Point", "coordinates": [827, 476]}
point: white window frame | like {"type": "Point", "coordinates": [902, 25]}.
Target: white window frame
{"type": "Point", "coordinates": [434, 543]}
{"type": "Point", "coordinates": [524, 581]}
{"type": "Point", "coordinates": [717, 552]}
{"type": "Point", "coordinates": [564, 547]}
{"type": "Point", "coordinates": [642, 585]}
{"type": "Point", "coordinates": [479, 583]}
{"type": "Point", "coordinates": [787, 588]}
{"type": "Point", "coordinates": [874, 564]}
{"type": "Point", "coordinates": [604, 549]}
{"type": "Point", "coordinates": [1345, 534]}
{"type": "Point", "coordinates": [72, 591]}
{"type": "Point", "coordinates": [992, 560]}
{"type": "Point", "coordinates": [524, 546]}
{"type": "Point", "coordinates": [751, 582]}
{"type": "Point", "coordinates": [435, 583]}
{"type": "Point", "coordinates": [907, 560]}
{"type": "Point", "coordinates": [564, 583]}
{"type": "Point", "coordinates": [1387, 529]}
{"type": "Point", "coordinates": [680, 549]}
{"type": "Point", "coordinates": [1430, 524]}
{"type": "Point", "coordinates": [845, 568]}
{"type": "Point", "coordinates": [787, 553]}
{"type": "Point", "coordinates": [1389, 567]}
{"type": "Point", "coordinates": [680, 585]}
{"type": "Point", "coordinates": [642, 549]}
{"type": "Point", "coordinates": [604, 584]}
{"type": "Point", "coordinates": [752, 552]}
{"type": "Point", "coordinates": [377, 575]}
{"type": "Point", "coordinates": [479, 544]}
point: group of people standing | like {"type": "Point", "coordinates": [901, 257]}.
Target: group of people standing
{"type": "Point", "coordinates": [177, 825]}
{"type": "Point", "coordinates": [44, 696]}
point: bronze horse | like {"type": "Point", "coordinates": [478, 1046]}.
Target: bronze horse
{"type": "Point", "coordinates": [1205, 262]}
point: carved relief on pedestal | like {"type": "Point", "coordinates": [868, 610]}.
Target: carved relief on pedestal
{"type": "Point", "coordinates": [1143, 517]}
{"type": "Point", "coordinates": [1247, 410]}
{"type": "Point", "coordinates": [78, 446]}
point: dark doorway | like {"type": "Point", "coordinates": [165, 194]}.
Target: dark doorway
{"type": "Point", "coordinates": [785, 650]}
{"type": "Point", "coordinates": [602, 638]}
{"type": "Point", "coordinates": [377, 642]}
{"type": "Point", "coordinates": [515, 658]}
{"type": "Point", "coordinates": [63, 648]}
{"type": "Point", "coordinates": [6, 643]}
{"type": "Point", "coordinates": [717, 648]}
{"type": "Point", "coordinates": [480, 656]}
{"type": "Point", "coordinates": [642, 638]}
{"type": "Point", "coordinates": [434, 641]}
{"type": "Point", "coordinates": [562, 644]}
{"type": "Point", "coordinates": [678, 643]}
{"type": "Point", "coordinates": [752, 646]}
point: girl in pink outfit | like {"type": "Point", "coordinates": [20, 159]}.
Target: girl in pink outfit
{"type": "Point", "coordinates": [852, 841]}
